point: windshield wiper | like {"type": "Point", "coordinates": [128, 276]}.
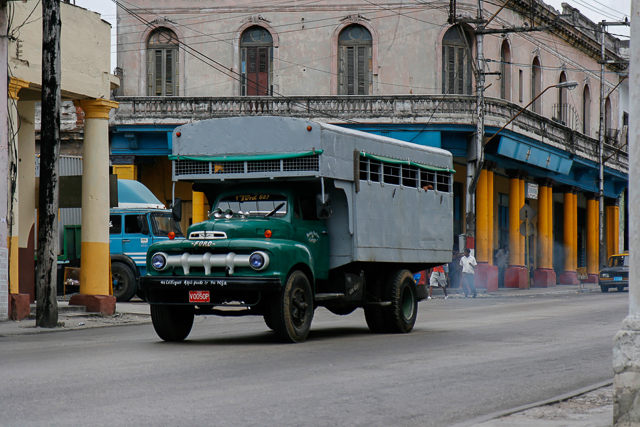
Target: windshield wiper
{"type": "Point", "coordinates": [277, 208]}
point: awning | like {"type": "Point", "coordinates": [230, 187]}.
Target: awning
{"type": "Point", "coordinates": [408, 162]}
{"type": "Point", "coordinates": [248, 157]}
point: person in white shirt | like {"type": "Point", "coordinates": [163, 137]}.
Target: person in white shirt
{"type": "Point", "coordinates": [468, 263]}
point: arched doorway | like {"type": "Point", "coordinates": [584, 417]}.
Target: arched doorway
{"type": "Point", "coordinates": [162, 63]}
{"type": "Point", "coordinates": [536, 85]}
{"type": "Point", "coordinates": [586, 111]}
{"type": "Point", "coordinates": [505, 71]}
{"type": "Point", "coordinates": [256, 62]}
{"type": "Point", "coordinates": [354, 61]}
{"type": "Point", "coordinates": [456, 62]}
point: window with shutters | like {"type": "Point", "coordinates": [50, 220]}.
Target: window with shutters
{"type": "Point", "coordinates": [456, 62]}
{"type": "Point", "coordinates": [162, 63]}
{"type": "Point", "coordinates": [354, 61]}
{"type": "Point", "coordinates": [256, 62]}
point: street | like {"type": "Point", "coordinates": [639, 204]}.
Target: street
{"type": "Point", "coordinates": [465, 358]}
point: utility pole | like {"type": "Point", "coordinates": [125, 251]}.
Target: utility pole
{"type": "Point", "coordinates": [602, 256]}
{"type": "Point", "coordinates": [4, 165]}
{"type": "Point", "coordinates": [46, 270]}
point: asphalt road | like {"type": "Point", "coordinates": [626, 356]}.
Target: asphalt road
{"type": "Point", "coordinates": [465, 358]}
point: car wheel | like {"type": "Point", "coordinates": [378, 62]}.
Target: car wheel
{"type": "Point", "coordinates": [172, 322]}
{"type": "Point", "coordinates": [400, 289]}
{"type": "Point", "coordinates": [604, 288]}
{"type": "Point", "coordinates": [125, 284]}
{"type": "Point", "coordinates": [292, 311]}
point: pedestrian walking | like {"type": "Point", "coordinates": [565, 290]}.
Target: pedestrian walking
{"type": "Point", "coordinates": [439, 278]}
{"type": "Point", "coordinates": [502, 258]}
{"type": "Point", "coordinates": [455, 269]}
{"type": "Point", "coordinates": [468, 263]}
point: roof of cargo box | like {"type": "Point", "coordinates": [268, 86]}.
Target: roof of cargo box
{"type": "Point", "coordinates": [226, 148]}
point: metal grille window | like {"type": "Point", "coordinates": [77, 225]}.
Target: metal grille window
{"type": "Point", "coordinates": [256, 62]}
{"type": "Point", "coordinates": [354, 61]}
{"type": "Point", "coordinates": [456, 62]}
{"type": "Point", "coordinates": [406, 175]}
{"type": "Point", "coordinates": [197, 167]}
{"type": "Point", "coordinates": [162, 63]}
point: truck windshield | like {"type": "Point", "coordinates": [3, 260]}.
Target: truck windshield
{"type": "Point", "coordinates": [255, 204]}
{"type": "Point", "coordinates": [163, 223]}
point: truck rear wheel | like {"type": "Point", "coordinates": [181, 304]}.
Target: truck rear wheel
{"type": "Point", "coordinates": [124, 282]}
{"type": "Point", "coordinates": [400, 289]}
{"type": "Point", "coordinates": [374, 314]}
{"type": "Point", "coordinates": [292, 310]}
{"type": "Point", "coordinates": [172, 322]}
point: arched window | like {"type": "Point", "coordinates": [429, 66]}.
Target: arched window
{"type": "Point", "coordinates": [536, 85]}
{"type": "Point", "coordinates": [609, 133]}
{"type": "Point", "coordinates": [586, 111]}
{"type": "Point", "coordinates": [162, 63]}
{"type": "Point", "coordinates": [456, 62]}
{"type": "Point", "coordinates": [505, 71]}
{"type": "Point", "coordinates": [563, 105]}
{"type": "Point", "coordinates": [256, 62]}
{"type": "Point", "coordinates": [354, 61]}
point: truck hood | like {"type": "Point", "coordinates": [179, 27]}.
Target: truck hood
{"type": "Point", "coordinates": [244, 228]}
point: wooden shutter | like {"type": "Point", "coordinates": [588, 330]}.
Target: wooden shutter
{"type": "Point", "coordinates": [150, 69]}
{"type": "Point", "coordinates": [342, 63]}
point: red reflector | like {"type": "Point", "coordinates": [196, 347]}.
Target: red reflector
{"type": "Point", "coordinates": [178, 134]}
{"type": "Point", "coordinates": [171, 235]}
{"type": "Point", "coordinates": [267, 234]}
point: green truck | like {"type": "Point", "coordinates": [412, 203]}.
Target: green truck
{"type": "Point", "coordinates": [303, 215]}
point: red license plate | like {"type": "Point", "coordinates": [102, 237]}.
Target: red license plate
{"type": "Point", "coordinates": [199, 296]}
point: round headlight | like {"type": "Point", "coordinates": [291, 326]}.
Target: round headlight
{"type": "Point", "coordinates": [217, 213]}
{"type": "Point", "coordinates": [228, 214]}
{"type": "Point", "coordinates": [256, 260]}
{"type": "Point", "coordinates": [159, 261]}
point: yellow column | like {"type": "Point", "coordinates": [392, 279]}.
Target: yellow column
{"type": "Point", "coordinates": [197, 207]}
{"type": "Point", "coordinates": [13, 239]}
{"type": "Point", "coordinates": [522, 250]}
{"type": "Point", "coordinates": [550, 227]}
{"type": "Point", "coordinates": [613, 229]}
{"type": "Point", "coordinates": [514, 221]}
{"type": "Point", "coordinates": [94, 272]}
{"type": "Point", "coordinates": [543, 227]}
{"type": "Point", "coordinates": [482, 238]}
{"type": "Point", "coordinates": [126, 171]}
{"type": "Point", "coordinates": [592, 236]}
{"type": "Point", "coordinates": [574, 229]}
{"type": "Point", "coordinates": [490, 218]}
{"type": "Point", "coordinates": [568, 231]}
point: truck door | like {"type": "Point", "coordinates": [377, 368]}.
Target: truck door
{"type": "Point", "coordinates": [134, 242]}
{"type": "Point", "coordinates": [311, 231]}
{"type": "Point", "coordinates": [115, 234]}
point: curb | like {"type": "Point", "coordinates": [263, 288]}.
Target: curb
{"type": "Point", "coordinates": [551, 401]}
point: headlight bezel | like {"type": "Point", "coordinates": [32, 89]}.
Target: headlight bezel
{"type": "Point", "coordinates": [261, 256]}
{"type": "Point", "coordinates": [164, 259]}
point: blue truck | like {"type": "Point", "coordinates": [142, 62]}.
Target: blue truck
{"type": "Point", "coordinates": [139, 221]}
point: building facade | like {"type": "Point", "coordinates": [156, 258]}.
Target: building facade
{"type": "Point", "coordinates": [408, 71]}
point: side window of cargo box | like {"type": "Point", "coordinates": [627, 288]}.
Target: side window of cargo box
{"type": "Point", "coordinates": [115, 224]}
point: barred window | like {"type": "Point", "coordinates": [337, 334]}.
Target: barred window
{"type": "Point", "coordinates": [406, 175]}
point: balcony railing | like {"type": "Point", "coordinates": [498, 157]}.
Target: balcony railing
{"type": "Point", "coordinates": [398, 109]}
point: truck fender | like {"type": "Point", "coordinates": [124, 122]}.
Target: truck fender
{"type": "Point", "coordinates": [128, 262]}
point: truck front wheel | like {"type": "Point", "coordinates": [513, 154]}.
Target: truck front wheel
{"type": "Point", "coordinates": [400, 289]}
{"type": "Point", "coordinates": [172, 322]}
{"type": "Point", "coordinates": [124, 282]}
{"type": "Point", "coordinates": [292, 309]}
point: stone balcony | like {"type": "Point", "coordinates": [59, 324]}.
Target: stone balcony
{"type": "Point", "coordinates": [398, 109]}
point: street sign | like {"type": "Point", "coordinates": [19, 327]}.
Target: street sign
{"type": "Point", "coordinates": [523, 229]}
{"type": "Point", "coordinates": [527, 211]}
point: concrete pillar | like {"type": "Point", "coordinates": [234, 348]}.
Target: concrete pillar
{"type": "Point", "coordinates": [550, 222]}
{"type": "Point", "coordinates": [95, 260]}
{"type": "Point", "coordinates": [626, 344]}
{"type": "Point", "coordinates": [592, 239]}
{"type": "Point", "coordinates": [197, 207]}
{"type": "Point", "coordinates": [126, 172]}
{"type": "Point", "coordinates": [18, 303]}
{"type": "Point", "coordinates": [544, 276]}
{"type": "Point", "coordinates": [486, 275]}
{"type": "Point", "coordinates": [490, 215]}
{"type": "Point", "coordinates": [569, 276]}
{"type": "Point", "coordinates": [515, 275]}
{"type": "Point", "coordinates": [613, 228]}
{"type": "Point", "coordinates": [522, 251]}
{"type": "Point", "coordinates": [574, 229]}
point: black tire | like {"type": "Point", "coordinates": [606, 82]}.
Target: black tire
{"type": "Point", "coordinates": [620, 288]}
{"type": "Point", "coordinates": [374, 314]}
{"type": "Point", "coordinates": [124, 280]}
{"type": "Point", "coordinates": [342, 309]}
{"type": "Point", "coordinates": [400, 289]}
{"type": "Point", "coordinates": [172, 322]}
{"type": "Point", "coordinates": [604, 288]}
{"type": "Point", "coordinates": [292, 311]}
{"type": "Point", "coordinates": [267, 320]}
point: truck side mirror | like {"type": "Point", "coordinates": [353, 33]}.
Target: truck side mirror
{"type": "Point", "coordinates": [176, 210]}
{"type": "Point", "coordinates": [323, 206]}
{"type": "Point", "coordinates": [143, 224]}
